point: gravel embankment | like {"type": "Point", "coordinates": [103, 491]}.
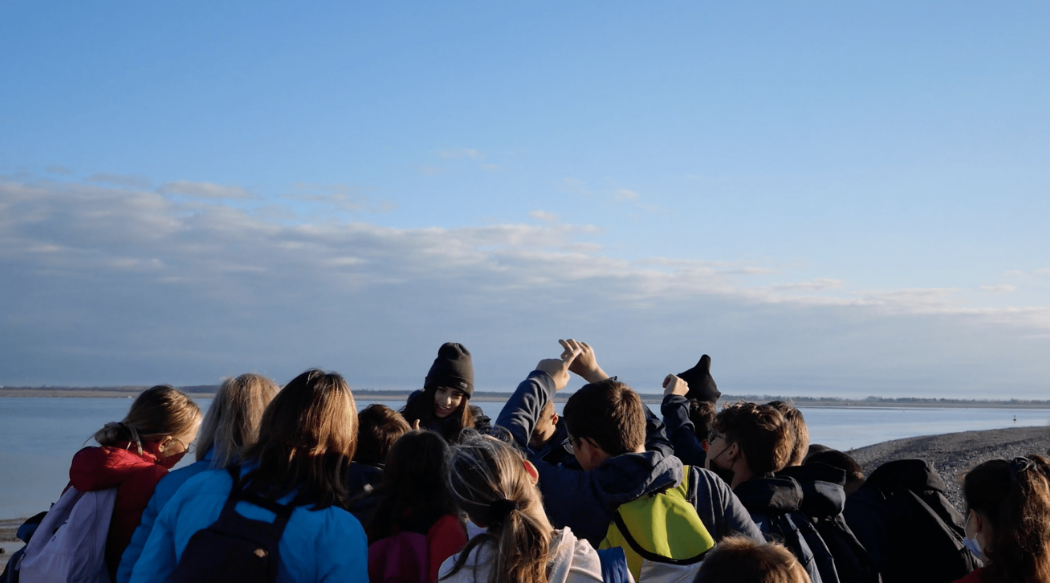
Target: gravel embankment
{"type": "Point", "coordinates": [954, 454]}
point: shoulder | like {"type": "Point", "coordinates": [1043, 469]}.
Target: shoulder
{"type": "Point", "coordinates": [477, 567]}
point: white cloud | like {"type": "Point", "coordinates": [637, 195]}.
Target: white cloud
{"type": "Point", "coordinates": [205, 190]}
{"type": "Point", "coordinates": [492, 167]}
{"type": "Point", "coordinates": [998, 289]}
{"type": "Point", "coordinates": [129, 180]}
{"type": "Point", "coordinates": [106, 285]}
{"type": "Point", "coordinates": [544, 216]}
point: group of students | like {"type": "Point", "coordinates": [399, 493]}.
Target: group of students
{"type": "Point", "coordinates": [293, 484]}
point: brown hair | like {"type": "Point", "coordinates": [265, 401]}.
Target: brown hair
{"type": "Point", "coordinates": [610, 413]}
{"type": "Point", "coordinates": [702, 414]}
{"type": "Point", "coordinates": [761, 432]}
{"type": "Point", "coordinates": [306, 440]}
{"type": "Point", "coordinates": [738, 559]}
{"type": "Point", "coordinates": [421, 406]}
{"type": "Point", "coordinates": [157, 412]}
{"type": "Point", "coordinates": [378, 428]}
{"type": "Point", "coordinates": [1014, 496]}
{"type": "Point", "coordinates": [488, 480]}
{"type": "Point", "coordinates": [414, 493]}
{"type": "Point", "coordinates": [232, 423]}
{"type": "Point", "coordinates": [799, 431]}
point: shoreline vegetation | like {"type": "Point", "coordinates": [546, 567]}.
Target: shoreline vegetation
{"type": "Point", "coordinates": [208, 391]}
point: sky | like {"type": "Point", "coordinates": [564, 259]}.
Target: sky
{"type": "Point", "coordinates": [829, 198]}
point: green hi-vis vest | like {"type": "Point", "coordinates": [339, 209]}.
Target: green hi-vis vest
{"type": "Point", "coordinates": [661, 534]}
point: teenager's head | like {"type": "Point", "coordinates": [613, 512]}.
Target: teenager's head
{"type": "Point", "coordinates": [162, 421]}
{"type": "Point", "coordinates": [738, 559]}
{"type": "Point", "coordinates": [379, 427]}
{"type": "Point", "coordinates": [749, 440]}
{"type": "Point", "coordinates": [604, 419]}
{"type": "Point", "coordinates": [446, 392]}
{"type": "Point", "coordinates": [232, 423]}
{"type": "Point", "coordinates": [1008, 515]}
{"type": "Point", "coordinates": [496, 487]}
{"type": "Point", "coordinates": [545, 427]}
{"type": "Point", "coordinates": [413, 486]}
{"type": "Point", "coordinates": [842, 461]}
{"type": "Point", "coordinates": [306, 440]}
{"type": "Point", "coordinates": [799, 431]}
{"type": "Point", "coordinates": [702, 414]}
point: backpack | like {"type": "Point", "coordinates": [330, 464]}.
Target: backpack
{"type": "Point", "coordinates": [661, 535]}
{"type": "Point", "coordinates": [405, 557]}
{"type": "Point", "coordinates": [70, 543]}
{"type": "Point", "coordinates": [911, 531]}
{"type": "Point", "coordinates": [235, 548]}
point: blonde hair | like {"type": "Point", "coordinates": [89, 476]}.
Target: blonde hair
{"type": "Point", "coordinates": [738, 559]}
{"type": "Point", "coordinates": [159, 411]}
{"type": "Point", "coordinates": [307, 437]}
{"type": "Point", "coordinates": [231, 425]}
{"type": "Point", "coordinates": [489, 482]}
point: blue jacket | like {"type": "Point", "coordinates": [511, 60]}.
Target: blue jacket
{"type": "Point", "coordinates": [317, 545]}
{"type": "Point", "coordinates": [586, 501]}
{"type": "Point", "coordinates": [165, 489]}
{"type": "Point", "coordinates": [681, 432]}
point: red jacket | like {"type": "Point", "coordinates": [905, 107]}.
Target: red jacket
{"type": "Point", "coordinates": [135, 476]}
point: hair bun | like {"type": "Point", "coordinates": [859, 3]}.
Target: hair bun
{"type": "Point", "coordinates": [499, 509]}
{"type": "Point", "coordinates": [1019, 465]}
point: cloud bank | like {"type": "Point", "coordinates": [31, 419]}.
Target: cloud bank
{"type": "Point", "coordinates": [109, 285]}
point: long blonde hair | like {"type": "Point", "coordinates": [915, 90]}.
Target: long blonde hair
{"type": "Point", "coordinates": [489, 482]}
{"type": "Point", "coordinates": [159, 411]}
{"type": "Point", "coordinates": [231, 425]}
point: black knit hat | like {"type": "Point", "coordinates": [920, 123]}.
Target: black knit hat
{"type": "Point", "coordinates": [452, 369]}
{"type": "Point", "coordinates": [701, 386]}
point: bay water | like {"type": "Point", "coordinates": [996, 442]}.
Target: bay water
{"type": "Point", "coordinates": [38, 436]}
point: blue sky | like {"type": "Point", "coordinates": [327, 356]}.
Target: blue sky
{"type": "Point", "coordinates": [829, 198]}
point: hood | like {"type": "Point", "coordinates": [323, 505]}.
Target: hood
{"type": "Point", "coordinates": [629, 476]}
{"type": "Point", "coordinates": [572, 559]}
{"type": "Point", "coordinates": [823, 495]}
{"type": "Point", "coordinates": [99, 468]}
{"type": "Point", "coordinates": [911, 474]}
{"type": "Point", "coordinates": [770, 495]}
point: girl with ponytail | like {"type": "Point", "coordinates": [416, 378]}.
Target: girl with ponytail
{"type": "Point", "coordinates": [133, 455]}
{"type": "Point", "coordinates": [1008, 520]}
{"type": "Point", "coordinates": [496, 487]}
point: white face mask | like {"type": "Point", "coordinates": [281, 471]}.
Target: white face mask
{"type": "Point", "coordinates": [971, 543]}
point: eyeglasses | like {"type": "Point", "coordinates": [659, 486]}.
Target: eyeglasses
{"type": "Point", "coordinates": [713, 435]}
{"type": "Point", "coordinates": [190, 448]}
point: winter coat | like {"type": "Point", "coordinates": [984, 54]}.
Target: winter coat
{"type": "Point", "coordinates": [571, 560]}
{"type": "Point", "coordinates": [361, 481]}
{"type": "Point", "coordinates": [586, 501]}
{"type": "Point", "coordinates": [317, 545]}
{"type": "Point", "coordinates": [774, 506]}
{"type": "Point", "coordinates": [134, 475]}
{"type": "Point", "coordinates": [681, 432]}
{"type": "Point", "coordinates": [165, 489]}
{"type": "Point", "coordinates": [823, 500]}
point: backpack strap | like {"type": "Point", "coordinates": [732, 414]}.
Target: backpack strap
{"type": "Point", "coordinates": [648, 555]}
{"type": "Point", "coordinates": [237, 494]}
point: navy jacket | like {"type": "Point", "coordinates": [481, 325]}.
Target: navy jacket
{"type": "Point", "coordinates": [681, 432]}
{"type": "Point", "coordinates": [586, 501]}
{"type": "Point", "coordinates": [361, 481]}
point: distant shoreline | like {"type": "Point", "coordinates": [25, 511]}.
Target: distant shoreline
{"type": "Point", "coordinates": [207, 392]}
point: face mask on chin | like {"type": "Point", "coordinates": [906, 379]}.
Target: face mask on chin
{"type": "Point", "coordinates": [725, 473]}
{"type": "Point", "coordinates": [170, 461]}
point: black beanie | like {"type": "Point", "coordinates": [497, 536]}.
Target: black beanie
{"type": "Point", "coordinates": [452, 369]}
{"type": "Point", "coordinates": [701, 386]}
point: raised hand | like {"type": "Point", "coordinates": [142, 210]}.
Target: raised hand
{"type": "Point", "coordinates": [586, 364]}
{"type": "Point", "coordinates": [675, 386]}
{"type": "Point", "coordinates": [558, 368]}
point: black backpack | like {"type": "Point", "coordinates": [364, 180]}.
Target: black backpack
{"type": "Point", "coordinates": [910, 530]}
{"type": "Point", "coordinates": [235, 548]}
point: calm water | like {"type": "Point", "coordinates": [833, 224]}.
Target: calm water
{"type": "Point", "coordinates": [40, 435]}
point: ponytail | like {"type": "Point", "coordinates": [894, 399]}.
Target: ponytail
{"type": "Point", "coordinates": [158, 411]}
{"type": "Point", "coordinates": [489, 482]}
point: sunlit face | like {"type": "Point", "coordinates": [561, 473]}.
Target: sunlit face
{"type": "Point", "coordinates": [447, 401]}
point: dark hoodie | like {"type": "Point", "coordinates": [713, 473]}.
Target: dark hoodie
{"type": "Point", "coordinates": [586, 501]}
{"type": "Point", "coordinates": [774, 505]}
{"type": "Point", "coordinates": [823, 500]}
{"type": "Point", "coordinates": [361, 481]}
{"type": "Point", "coordinates": [135, 476]}
{"type": "Point", "coordinates": [681, 431]}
